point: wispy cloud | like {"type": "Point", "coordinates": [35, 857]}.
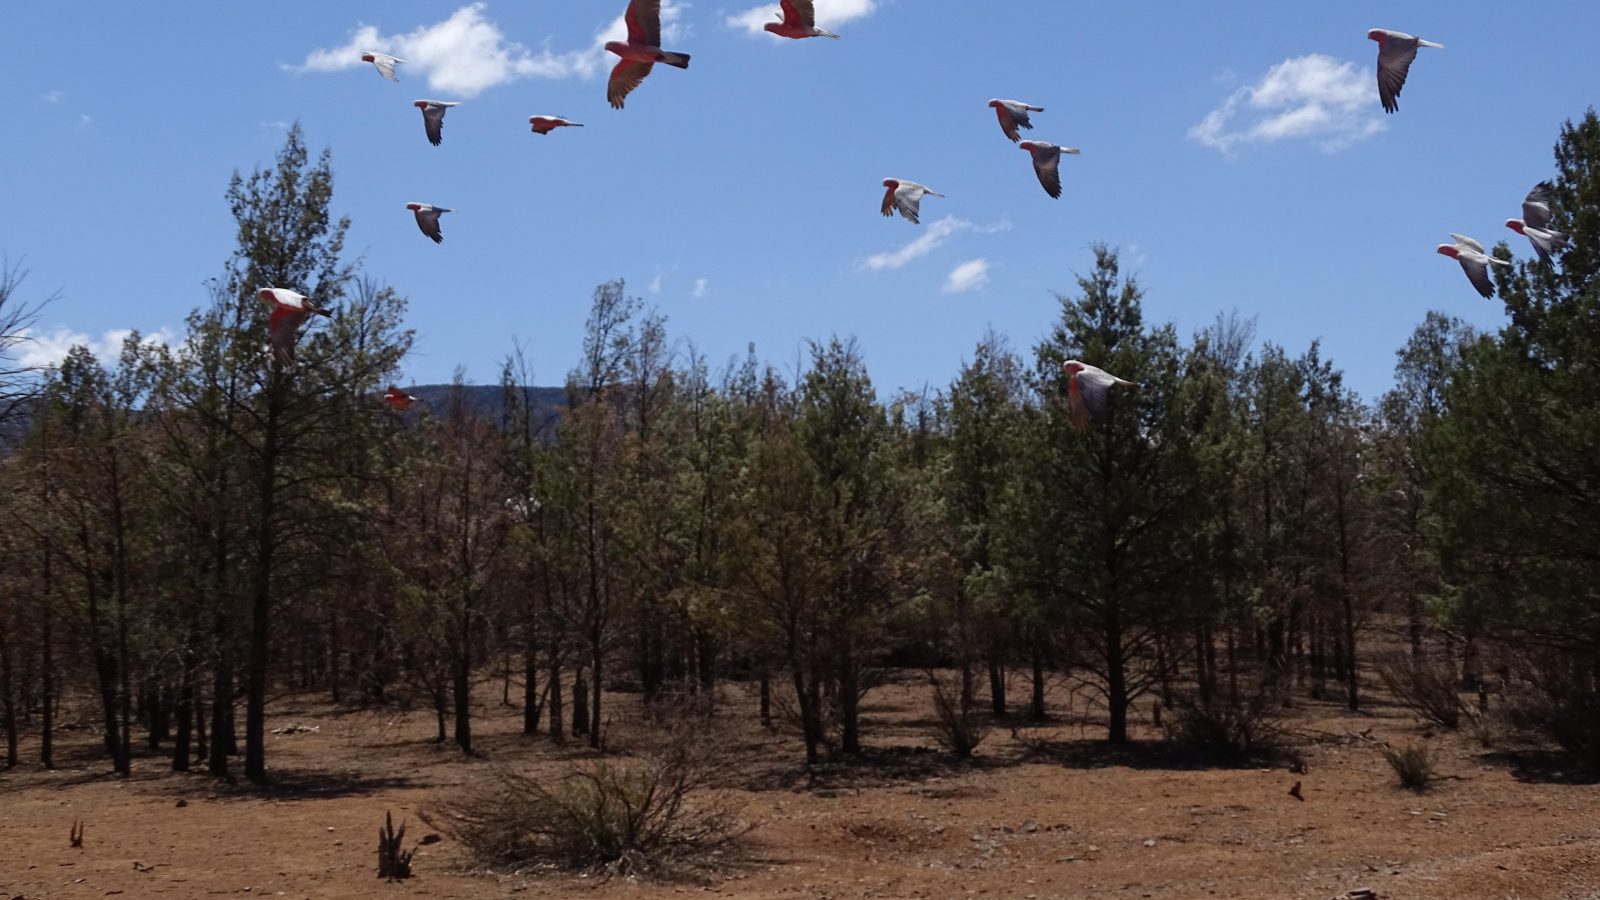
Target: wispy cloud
{"type": "Point", "coordinates": [467, 53]}
{"type": "Point", "coordinates": [969, 276]}
{"type": "Point", "coordinates": [53, 96]}
{"type": "Point", "coordinates": [84, 120]}
{"type": "Point", "coordinates": [702, 287]}
{"type": "Point", "coordinates": [655, 283]}
{"type": "Point", "coordinates": [829, 13]}
{"type": "Point", "coordinates": [932, 238]}
{"type": "Point", "coordinates": [49, 348]}
{"type": "Point", "coordinates": [1314, 97]}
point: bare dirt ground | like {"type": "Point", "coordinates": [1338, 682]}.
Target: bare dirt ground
{"type": "Point", "coordinates": [1047, 812]}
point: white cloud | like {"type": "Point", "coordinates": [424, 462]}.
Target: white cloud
{"type": "Point", "coordinates": [829, 13]}
{"type": "Point", "coordinates": [52, 96]}
{"type": "Point", "coordinates": [84, 121]}
{"type": "Point", "coordinates": [1312, 97]}
{"type": "Point", "coordinates": [702, 287]}
{"type": "Point", "coordinates": [467, 53]}
{"type": "Point", "coordinates": [50, 348]}
{"type": "Point", "coordinates": [970, 275]}
{"type": "Point", "coordinates": [932, 238]}
{"type": "Point", "coordinates": [655, 283]}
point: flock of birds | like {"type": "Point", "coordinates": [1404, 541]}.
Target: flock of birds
{"type": "Point", "coordinates": [1089, 388]}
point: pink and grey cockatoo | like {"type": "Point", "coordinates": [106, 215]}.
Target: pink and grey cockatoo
{"type": "Point", "coordinates": [428, 219]}
{"type": "Point", "coordinates": [905, 197]}
{"type": "Point", "coordinates": [1047, 163]}
{"type": "Point", "coordinates": [398, 399]}
{"type": "Point", "coordinates": [1013, 114]}
{"type": "Point", "coordinates": [547, 124]}
{"type": "Point", "coordinates": [1089, 393]}
{"type": "Point", "coordinates": [640, 52]}
{"type": "Point", "coordinates": [383, 62]}
{"type": "Point", "coordinates": [289, 312]}
{"type": "Point", "coordinates": [1396, 50]}
{"type": "Point", "coordinates": [1474, 261]}
{"type": "Point", "coordinates": [797, 19]}
{"type": "Point", "coordinates": [433, 117]}
{"type": "Point", "coordinates": [1535, 222]}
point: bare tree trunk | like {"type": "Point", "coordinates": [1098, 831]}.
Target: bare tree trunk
{"type": "Point", "coordinates": [1036, 710]}
{"type": "Point", "coordinates": [997, 682]}
{"type": "Point", "coordinates": [1116, 678]}
{"type": "Point", "coordinates": [530, 683]}
{"type": "Point", "coordinates": [8, 698]}
{"type": "Point", "coordinates": [580, 704]}
{"type": "Point", "coordinates": [255, 716]}
{"type": "Point", "coordinates": [558, 724]}
{"type": "Point", "coordinates": [223, 742]}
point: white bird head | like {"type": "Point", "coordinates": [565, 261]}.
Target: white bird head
{"type": "Point", "coordinates": [368, 57]}
{"type": "Point", "coordinates": [414, 207]}
{"type": "Point", "coordinates": [1072, 367]}
{"type": "Point", "coordinates": [1449, 250]}
{"type": "Point", "coordinates": [1516, 225]}
{"type": "Point", "coordinates": [1377, 34]}
{"type": "Point", "coordinates": [891, 183]}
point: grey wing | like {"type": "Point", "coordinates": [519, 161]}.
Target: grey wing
{"type": "Point", "coordinates": [1048, 168]}
{"type": "Point", "coordinates": [1393, 65]}
{"type": "Point", "coordinates": [1467, 242]}
{"type": "Point", "coordinates": [1541, 247]}
{"type": "Point", "coordinates": [433, 122]}
{"type": "Point", "coordinates": [1536, 208]}
{"type": "Point", "coordinates": [909, 202]}
{"type": "Point", "coordinates": [429, 223]}
{"type": "Point", "coordinates": [1094, 394]}
{"type": "Point", "coordinates": [1019, 112]}
{"type": "Point", "coordinates": [1478, 274]}
{"type": "Point", "coordinates": [624, 78]}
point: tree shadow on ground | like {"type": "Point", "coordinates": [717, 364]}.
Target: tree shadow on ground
{"type": "Point", "coordinates": [1145, 755]}
{"type": "Point", "coordinates": [1542, 767]}
{"type": "Point", "coordinates": [874, 768]}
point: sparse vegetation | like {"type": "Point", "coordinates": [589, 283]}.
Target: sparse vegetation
{"type": "Point", "coordinates": [1413, 764]}
{"type": "Point", "coordinates": [1427, 688]}
{"type": "Point", "coordinates": [1251, 729]}
{"type": "Point", "coordinates": [958, 725]}
{"type": "Point", "coordinates": [629, 818]}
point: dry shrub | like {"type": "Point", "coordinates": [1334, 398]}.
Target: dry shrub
{"type": "Point", "coordinates": [629, 818]}
{"type": "Point", "coordinates": [1427, 688]}
{"type": "Point", "coordinates": [1219, 729]}
{"type": "Point", "coordinates": [1561, 704]}
{"type": "Point", "coordinates": [958, 726]}
{"type": "Point", "coordinates": [1413, 764]}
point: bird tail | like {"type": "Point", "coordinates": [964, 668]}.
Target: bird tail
{"type": "Point", "coordinates": [1035, 109]}
{"type": "Point", "coordinates": [821, 33]}
{"type": "Point", "coordinates": [1559, 238]}
{"type": "Point", "coordinates": [1498, 261]}
{"type": "Point", "coordinates": [1423, 43]}
{"type": "Point", "coordinates": [1073, 150]}
{"type": "Point", "coordinates": [936, 194]}
{"type": "Point", "coordinates": [681, 60]}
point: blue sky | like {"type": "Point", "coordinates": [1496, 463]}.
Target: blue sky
{"type": "Point", "coordinates": [1228, 150]}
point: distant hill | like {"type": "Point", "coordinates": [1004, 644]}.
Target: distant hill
{"type": "Point", "coordinates": [488, 400]}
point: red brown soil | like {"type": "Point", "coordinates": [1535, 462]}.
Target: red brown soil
{"type": "Point", "coordinates": [1048, 812]}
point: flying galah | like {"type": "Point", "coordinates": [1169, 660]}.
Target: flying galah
{"type": "Point", "coordinates": [1535, 222]}
{"type": "Point", "coordinates": [1396, 50]}
{"type": "Point", "coordinates": [547, 124]}
{"type": "Point", "coordinates": [428, 219]}
{"type": "Point", "coordinates": [398, 399]}
{"type": "Point", "coordinates": [905, 197]}
{"type": "Point", "coordinates": [1013, 114]}
{"type": "Point", "coordinates": [1047, 163]}
{"type": "Point", "coordinates": [640, 52]}
{"type": "Point", "coordinates": [289, 312]}
{"type": "Point", "coordinates": [433, 117]}
{"type": "Point", "coordinates": [1089, 393]}
{"type": "Point", "coordinates": [798, 20]}
{"type": "Point", "coordinates": [1473, 261]}
{"type": "Point", "coordinates": [383, 62]}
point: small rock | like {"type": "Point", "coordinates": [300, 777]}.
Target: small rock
{"type": "Point", "coordinates": [1093, 849]}
{"type": "Point", "coordinates": [330, 827]}
{"type": "Point", "coordinates": [1149, 842]}
{"type": "Point", "coordinates": [181, 804]}
{"type": "Point", "coordinates": [431, 839]}
{"type": "Point", "coordinates": [1030, 826]}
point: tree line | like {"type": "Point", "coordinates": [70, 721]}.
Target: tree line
{"type": "Point", "coordinates": [194, 529]}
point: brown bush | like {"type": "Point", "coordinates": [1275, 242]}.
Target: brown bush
{"type": "Point", "coordinates": [1426, 688]}
{"type": "Point", "coordinates": [958, 726]}
{"type": "Point", "coordinates": [632, 818]}
{"type": "Point", "coordinates": [1413, 764]}
{"type": "Point", "coordinates": [1232, 731]}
